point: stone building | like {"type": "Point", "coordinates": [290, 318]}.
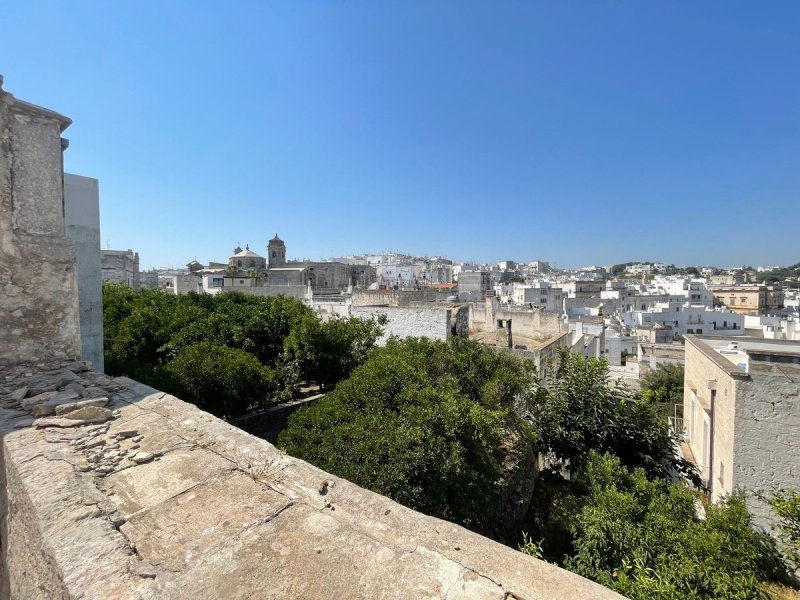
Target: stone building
{"type": "Point", "coordinates": [276, 251]}
{"type": "Point", "coordinates": [433, 320]}
{"type": "Point", "coordinates": [761, 299]}
{"type": "Point", "coordinates": [247, 259]}
{"type": "Point", "coordinates": [121, 266]}
{"type": "Point", "coordinates": [473, 285]}
{"type": "Point", "coordinates": [39, 314]}
{"type": "Point", "coordinates": [742, 414]}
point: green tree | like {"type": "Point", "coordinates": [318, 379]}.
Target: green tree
{"type": "Point", "coordinates": [664, 385]}
{"type": "Point", "coordinates": [328, 351]}
{"type": "Point", "coordinates": [256, 325]}
{"type": "Point", "coordinates": [581, 410]}
{"type": "Point", "coordinates": [223, 381]}
{"type": "Point", "coordinates": [422, 422]}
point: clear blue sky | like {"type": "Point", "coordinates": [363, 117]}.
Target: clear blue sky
{"type": "Point", "coordinates": [584, 132]}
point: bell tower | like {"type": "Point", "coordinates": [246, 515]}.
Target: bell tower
{"type": "Point", "coordinates": [276, 252]}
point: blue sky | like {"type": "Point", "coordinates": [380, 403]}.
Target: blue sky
{"type": "Point", "coordinates": [581, 133]}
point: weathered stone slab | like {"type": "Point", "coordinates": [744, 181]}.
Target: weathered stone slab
{"type": "Point", "coordinates": [196, 523]}
{"type": "Point", "coordinates": [75, 387]}
{"type": "Point", "coordinates": [146, 485]}
{"type": "Point", "coordinates": [19, 394]}
{"type": "Point", "coordinates": [48, 407]}
{"type": "Point", "coordinates": [307, 547]}
{"type": "Point", "coordinates": [27, 403]}
{"type": "Point", "coordinates": [69, 407]}
{"type": "Point", "coordinates": [58, 422]}
{"type": "Point", "coordinates": [89, 414]}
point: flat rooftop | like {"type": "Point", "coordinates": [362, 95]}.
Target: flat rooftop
{"type": "Point", "coordinates": [752, 356]}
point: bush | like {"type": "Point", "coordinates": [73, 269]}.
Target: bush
{"type": "Point", "coordinates": [420, 421]}
{"type": "Point", "coordinates": [786, 504]}
{"type": "Point", "coordinates": [223, 381]}
{"type": "Point", "coordinates": [643, 539]}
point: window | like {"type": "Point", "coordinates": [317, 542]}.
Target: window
{"type": "Point", "coordinates": [690, 331]}
{"type": "Point", "coordinates": [699, 331]}
{"type": "Point", "coordinates": [238, 263]}
{"type": "Point", "coordinates": [241, 281]}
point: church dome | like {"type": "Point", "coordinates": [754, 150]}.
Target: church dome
{"type": "Point", "coordinates": [247, 254]}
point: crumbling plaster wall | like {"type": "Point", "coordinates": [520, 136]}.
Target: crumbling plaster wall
{"type": "Point", "coordinates": [38, 287]}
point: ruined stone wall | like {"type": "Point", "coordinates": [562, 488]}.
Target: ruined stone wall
{"type": "Point", "coordinates": [38, 287]}
{"type": "Point", "coordinates": [290, 291]}
{"type": "Point", "coordinates": [461, 320]}
{"type": "Point", "coordinates": [120, 266]}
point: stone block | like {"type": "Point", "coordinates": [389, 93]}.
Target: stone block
{"type": "Point", "coordinates": [69, 407]}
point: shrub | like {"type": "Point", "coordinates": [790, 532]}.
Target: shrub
{"type": "Point", "coordinates": [223, 381]}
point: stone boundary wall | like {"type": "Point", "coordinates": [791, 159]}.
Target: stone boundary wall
{"type": "Point", "coordinates": [392, 297]}
{"type": "Point", "coordinates": [267, 424]}
{"type": "Point", "coordinates": [151, 498]}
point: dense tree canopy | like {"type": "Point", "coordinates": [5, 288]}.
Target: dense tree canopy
{"type": "Point", "coordinates": [328, 352]}
{"type": "Point", "coordinates": [422, 422]}
{"type": "Point", "coordinates": [228, 352]}
{"type": "Point", "coordinates": [786, 504]}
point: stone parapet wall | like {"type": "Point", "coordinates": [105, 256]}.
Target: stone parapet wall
{"type": "Point", "coordinates": [144, 496]}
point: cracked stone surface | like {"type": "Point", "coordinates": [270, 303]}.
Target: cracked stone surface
{"type": "Point", "coordinates": [162, 500]}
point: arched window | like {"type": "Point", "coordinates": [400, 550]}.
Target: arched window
{"type": "Point", "coordinates": [239, 263]}
{"type": "Point", "coordinates": [274, 254]}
